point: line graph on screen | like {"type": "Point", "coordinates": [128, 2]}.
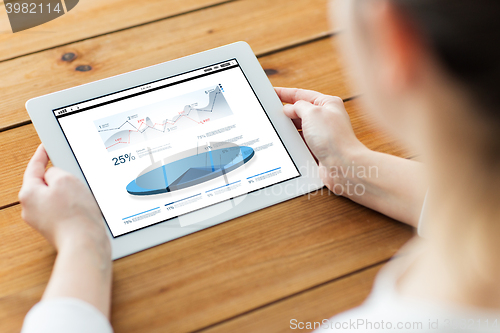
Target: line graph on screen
{"type": "Point", "coordinates": [161, 118]}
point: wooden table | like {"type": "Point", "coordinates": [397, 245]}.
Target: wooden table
{"type": "Point", "coordinates": [305, 259]}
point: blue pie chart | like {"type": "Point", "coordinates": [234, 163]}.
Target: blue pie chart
{"type": "Point", "coordinates": [190, 171]}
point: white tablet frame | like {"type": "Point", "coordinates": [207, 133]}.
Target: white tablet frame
{"type": "Point", "coordinates": [51, 135]}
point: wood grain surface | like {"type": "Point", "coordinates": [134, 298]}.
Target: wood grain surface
{"type": "Point", "coordinates": [310, 306]}
{"type": "Point", "coordinates": [106, 17]}
{"type": "Point", "coordinates": [308, 258]}
{"type": "Point", "coordinates": [255, 22]}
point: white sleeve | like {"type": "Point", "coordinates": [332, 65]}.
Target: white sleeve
{"type": "Point", "coordinates": [62, 315]}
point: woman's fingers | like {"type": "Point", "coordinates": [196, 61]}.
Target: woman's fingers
{"type": "Point", "coordinates": [53, 175]}
{"type": "Point", "coordinates": [299, 110]}
{"type": "Point", "coordinates": [36, 167]}
{"type": "Point", "coordinates": [292, 95]}
{"type": "Point", "coordinates": [33, 177]}
{"type": "Point", "coordinates": [289, 111]}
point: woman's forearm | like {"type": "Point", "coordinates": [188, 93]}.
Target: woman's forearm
{"type": "Point", "coordinates": [83, 270]}
{"type": "Point", "coordinates": [393, 186]}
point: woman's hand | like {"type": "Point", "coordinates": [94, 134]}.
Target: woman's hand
{"type": "Point", "coordinates": [391, 185]}
{"type": "Point", "coordinates": [62, 209]}
{"type": "Point", "coordinates": [58, 205]}
{"type": "Point", "coordinates": [326, 129]}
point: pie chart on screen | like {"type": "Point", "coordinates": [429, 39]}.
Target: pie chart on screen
{"type": "Point", "coordinates": [190, 171]}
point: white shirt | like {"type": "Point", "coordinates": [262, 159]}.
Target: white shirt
{"type": "Point", "coordinates": [65, 315]}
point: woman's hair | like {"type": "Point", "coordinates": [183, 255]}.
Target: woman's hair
{"type": "Point", "coordinates": [465, 37]}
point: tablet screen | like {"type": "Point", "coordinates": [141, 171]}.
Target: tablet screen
{"type": "Point", "coordinates": [167, 148]}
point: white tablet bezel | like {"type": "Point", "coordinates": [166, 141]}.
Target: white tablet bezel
{"type": "Point", "coordinates": [51, 135]}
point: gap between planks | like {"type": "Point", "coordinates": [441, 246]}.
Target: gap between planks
{"type": "Point", "coordinates": [258, 55]}
{"type": "Point", "coordinates": [302, 292]}
{"type": "Point", "coordinates": [121, 29]}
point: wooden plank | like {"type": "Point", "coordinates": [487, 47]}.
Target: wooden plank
{"type": "Point", "coordinates": [254, 21]}
{"type": "Point", "coordinates": [23, 142]}
{"type": "Point", "coordinates": [19, 144]}
{"type": "Point", "coordinates": [310, 306]}
{"type": "Point", "coordinates": [88, 19]}
{"type": "Point", "coordinates": [316, 66]}
{"type": "Point", "coordinates": [216, 274]}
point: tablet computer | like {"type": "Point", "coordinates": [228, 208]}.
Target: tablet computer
{"type": "Point", "coordinates": [172, 149]}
